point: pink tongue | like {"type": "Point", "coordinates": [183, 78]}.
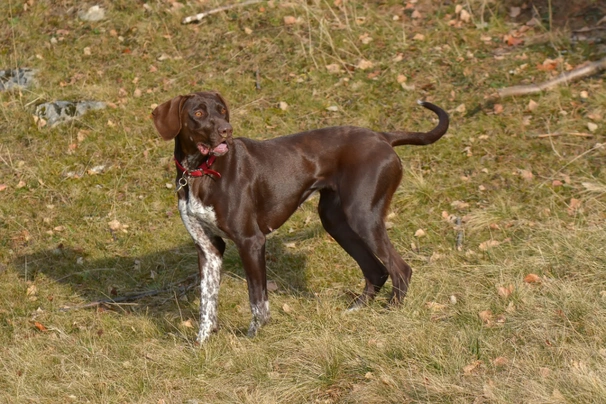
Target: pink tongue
{"type": "Point", "coordinates": [222, 148]}
{"type": "Point", "coordinates": [203, 149]}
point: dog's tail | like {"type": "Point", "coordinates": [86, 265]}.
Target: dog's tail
{"type": "Point", "coordinates": [400, 138]}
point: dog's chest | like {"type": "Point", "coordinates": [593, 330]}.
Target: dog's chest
{"type": "Point", "coordinates": [193, 211]}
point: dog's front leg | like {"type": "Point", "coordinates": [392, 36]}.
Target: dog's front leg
{"type": "Point", "coordinates": [209, 265]}
{"type": "Point", "coordinates": [210, 258]}
{"type": "Point", "coordinates": [252, 252]}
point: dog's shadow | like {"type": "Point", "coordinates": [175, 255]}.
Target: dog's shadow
{"type": "Point", "coordinates": [157, 279]}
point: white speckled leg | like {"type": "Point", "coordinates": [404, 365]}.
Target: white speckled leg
{"type": "Point", "coordinates": [260, 316]}
{"type": "Point", "coordinates": [209, 262]}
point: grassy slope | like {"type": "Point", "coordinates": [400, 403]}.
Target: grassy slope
{"type": "Point", "coordinates": [545, 342]}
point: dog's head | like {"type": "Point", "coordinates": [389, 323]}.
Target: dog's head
{"type": "Point", "coordinates": [201, 120]}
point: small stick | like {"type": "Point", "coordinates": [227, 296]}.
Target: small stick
{"type": "Point", "coordinates": [130, 298]}
{"type": "Point", "coordinates": [576, 74]}
{"type": "Point", "coordinates": [201, 16]}
{"type": "Point", "coordinates": [257, 80]}
{"type": "Point", "coordinates": [459, 235]}
{"type": "Point", "coordinates": [580, 134]}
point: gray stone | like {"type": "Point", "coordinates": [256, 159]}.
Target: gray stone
{"type": "Point", "coordinates": [58, 112]}
{"type": "Point", "coordinates": [16, 78]}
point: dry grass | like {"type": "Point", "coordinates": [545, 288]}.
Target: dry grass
{"type": "Point", "coordinates": [470, 330]}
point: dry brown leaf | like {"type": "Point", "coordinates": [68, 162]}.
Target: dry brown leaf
{"type": "Point", "coordinates": [486, 245]}
{"type": "Point", "coordinates": [532, 278]}
{"type": "Point", "coordinates": [464, 16]}
{"type": "Point", "coordinates": [467, 370]}
{"type": "Point", "coordinates": [40, 326]}
{"type": "Point", "coordinates": [532, 105]}
{"type": "Point", "coordinates": [364, 64]}
{"type": "Point", "coordinates": [505, 291]}
{"type": "Point", "coordinates": [32, 290]}
{"type": "Point", "coordinates": [334, 68]}
{"type": "Point", "coordinates": [527, 175]}
{"type": "Point", "coordinates": [500, 361]}
{"type": "Point", "coordinates": [187, 323]}
{"type": "Point", "coordinates": [290, 20]}
{"type": "Point", "coordinates": [459, 205]}
{"type": "Point", "coordinates": [486, 316]}
{"type": "Point", "coordinates": [286, 308]}
{"type": "Point", "coordinates": [573, 206]}
{"type": "Point", "coordinates": [420, 233]}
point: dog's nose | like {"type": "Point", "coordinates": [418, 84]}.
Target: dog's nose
{"type": "Point", "coordinates": [225, 129]}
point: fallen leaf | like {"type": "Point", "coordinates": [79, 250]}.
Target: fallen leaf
{"type": "Point", "coordinates": [514, 12]}
{"type": "Point", "coordinates": [434, 306]}
{"type": "Point", "coordinates": [249, 31]}
{"type": "Point", "coordinates": [283, 106]}
{"type": "Point", "coordinates": [334, 68]}
{"type": "Point", "coordinates": [498, 109]}
{"type": "Point", "coordinates": [486, 245]}
{"type": "Point", "coordinates": [458, 205]}
{"type": "Point", "coordinates": [505, 291]}
{"type": "Point", "coordinates": [365, 38]}
{"type": "Point", "coordinates": [40, 326]}
{"type": "Point", "coordinates": [461, 108]}
{"type": "Point", "coordinates": [592, 126]}
{"type": "Point", "coordinates": [467, 370]}
{"type": "Point", "coordinates": [532, 278]}
{"type": "Point", "coordinates": [464, 16]}
{"type": "Point", "coordinates": [290, 20]}
{"type": "Point", "coordinates": [500, 361]}
{"type": "Point", "coordinates": [32, 290]}
{"type": "Point", "coordinates": [3, 187]}
{"type": "Point", "coordinates": [573, 206]}
{"type": "Point", "coordinates": [419, 37]}
{"type": "Point", "coordinates": [532, 105]}
{"type": "Point", "coordinates": [187, 323]}
{"type": "Point", "coordinates": [420, 233]}
{"type": "Point", "coordinates": [486, 316]}
{"type": "Point", "coordinates": [401, 78]}
{"type": "Point", "coordinates": [272, 286]}
{"type": "Point", "coordinates": [527, 175]}
{"type": "Point", "coordinates": [286, 308]}
{"type": "Point", "coordinates": [364, 64]}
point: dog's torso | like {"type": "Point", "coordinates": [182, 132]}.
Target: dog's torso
{"type": "Point", "coordinates": [274, 177]}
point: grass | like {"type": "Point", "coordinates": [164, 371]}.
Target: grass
{"type": "Point", "coordinates": [471, 328]}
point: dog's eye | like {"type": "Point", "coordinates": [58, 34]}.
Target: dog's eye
{"type": "Point", "coordinates": [223, 111]}
{"type": "Point", "coordinates": [199, 113]}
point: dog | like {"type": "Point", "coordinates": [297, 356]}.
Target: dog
{"type": "Point", "coordinates": [243, 189]}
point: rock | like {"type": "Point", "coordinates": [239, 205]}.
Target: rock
{"type": "Point", "coordinates": [16, 78]}
{"type": "Point", "coordinates": [95, 13]}
{"type": "Point", "coordinates": [58, 112]}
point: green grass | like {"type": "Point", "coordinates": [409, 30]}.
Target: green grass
{"type": "Point", "coordinates": [544, 342]}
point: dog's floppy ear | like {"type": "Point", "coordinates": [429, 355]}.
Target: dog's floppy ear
{"type": "Point", "coordinates": [216, 93]}
{"type": "Point", "coordinates": [167, 117]}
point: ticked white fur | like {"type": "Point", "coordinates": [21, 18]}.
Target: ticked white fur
{"type": "Point", "coordinates": [201, 223]}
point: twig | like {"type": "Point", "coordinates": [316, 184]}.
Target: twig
{"type": "Point", "coordinates": [257, 79]}
{"type": "Point", "coordinates": [580, 134]}
{"type": "Point", "coordinates": [201, 16]}
{"type": "Point", "coordinates": [133, 297]}
{"type": "Point", "coordinates": [459, 244]}
{"type": "Point", "coordinates": [576, 74]}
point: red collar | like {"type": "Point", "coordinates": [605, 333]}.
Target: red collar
{"type": "Point", "coordinates": [202, 170]}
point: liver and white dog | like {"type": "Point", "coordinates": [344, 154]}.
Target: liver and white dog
{"type": "Point", "coordinates": [243, 189]}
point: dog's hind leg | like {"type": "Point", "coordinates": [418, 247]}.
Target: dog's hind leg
{"type": "Point", "coordinates": [335, 222]}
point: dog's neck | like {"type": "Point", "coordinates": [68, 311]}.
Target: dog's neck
{"type": "Point", "coordinates": [189, 157]}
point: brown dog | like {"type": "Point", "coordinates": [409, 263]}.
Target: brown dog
{"type": "Point", "coordinates": [253, 187]}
